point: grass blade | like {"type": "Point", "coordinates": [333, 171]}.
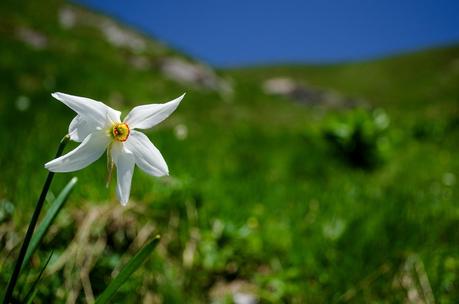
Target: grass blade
{"type": "Point", "coordinates": [33, 290]}
{"type": "Point", "coordinates": [32, 297]}
{"type": "Point", "coordinates": [127, 271]}
{"type": "Point", "coordinates": [49, 218]}
{"type": "Point", "coordinates": [30, 229]}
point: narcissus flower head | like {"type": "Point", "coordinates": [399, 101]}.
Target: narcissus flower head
{"type": "Point", "coordinates": [99, 128]}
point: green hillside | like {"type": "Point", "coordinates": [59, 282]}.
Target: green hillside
{"type": "Point", "coordinates": [289, 184]}
{"type": "Point", "coordinates": [412, 81]}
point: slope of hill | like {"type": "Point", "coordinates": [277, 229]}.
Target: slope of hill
{"type": "Point", "coordinates": [268, 198]}
{"type": "Point", "coordinates": [404, 82]}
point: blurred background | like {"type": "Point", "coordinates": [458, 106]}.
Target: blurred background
{"type": "Point", "coordinates": [314, 158]}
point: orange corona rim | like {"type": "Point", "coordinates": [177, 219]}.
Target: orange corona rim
{"type": "Point", "coordinates": [120, 132]}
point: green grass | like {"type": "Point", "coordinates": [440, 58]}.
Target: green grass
{"type": "Point", "coordinates": [257, 194]}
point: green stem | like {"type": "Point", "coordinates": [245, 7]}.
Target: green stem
{"type": "Point", "coordinates": [33, 222]}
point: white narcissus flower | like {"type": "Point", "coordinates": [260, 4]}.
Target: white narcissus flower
{"type": "Point", "coordinates": [99, 127]}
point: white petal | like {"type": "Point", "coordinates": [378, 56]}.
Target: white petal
{"type": "Point", "coordinates": [80, 128]}
{"type": "Point", "coordinates": [92, 111]}
{"type": "Point", "coordinates": [124, 161]}
{"type": "Point", "coordinates": [92, 147]}
{"type": "Point", "coordinates": [147, 116]}
{"type": "Point", "coordinates": [147, 156]}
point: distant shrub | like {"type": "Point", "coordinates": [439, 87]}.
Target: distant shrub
{"type": "Point", "coordinates": [359, 137]}
{"type": "Point", "coordinates": [6, 210]}
{"type": "Point", "coordinates": [435, 128]}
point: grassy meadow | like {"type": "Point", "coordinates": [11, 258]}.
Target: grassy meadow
{"type": "Point", "coordinates": [276, 198]}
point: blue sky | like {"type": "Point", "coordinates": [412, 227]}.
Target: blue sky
{"type": "Point", "coordinates": [237, 32]}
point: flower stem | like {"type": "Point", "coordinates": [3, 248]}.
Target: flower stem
{"type": "Point", "coordinates": [33, 222]}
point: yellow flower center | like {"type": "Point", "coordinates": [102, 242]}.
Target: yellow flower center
{"type": "Point", "coordinates": [120, 132]}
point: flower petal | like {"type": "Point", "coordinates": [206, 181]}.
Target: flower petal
{"type": "Point", "coordinates": [147, 156]}
{"type": "Point", "coordinates": [80, 128]}
{"type": "Point", "coordinates": [147, 116]}
{"type": "Point", "coordinates": [91, 149]}
{"type": "Point", "coordinates": [92, 111]}
{"type": "Point", "coordinates": [124, 161]}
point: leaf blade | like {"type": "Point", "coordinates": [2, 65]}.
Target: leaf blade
{"type": "Point", "coordinates": [33, 289]}
{"type": "Point", "coordinates": [127, 271]}
{"type": "Point", "coordinates": [55, 208]}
